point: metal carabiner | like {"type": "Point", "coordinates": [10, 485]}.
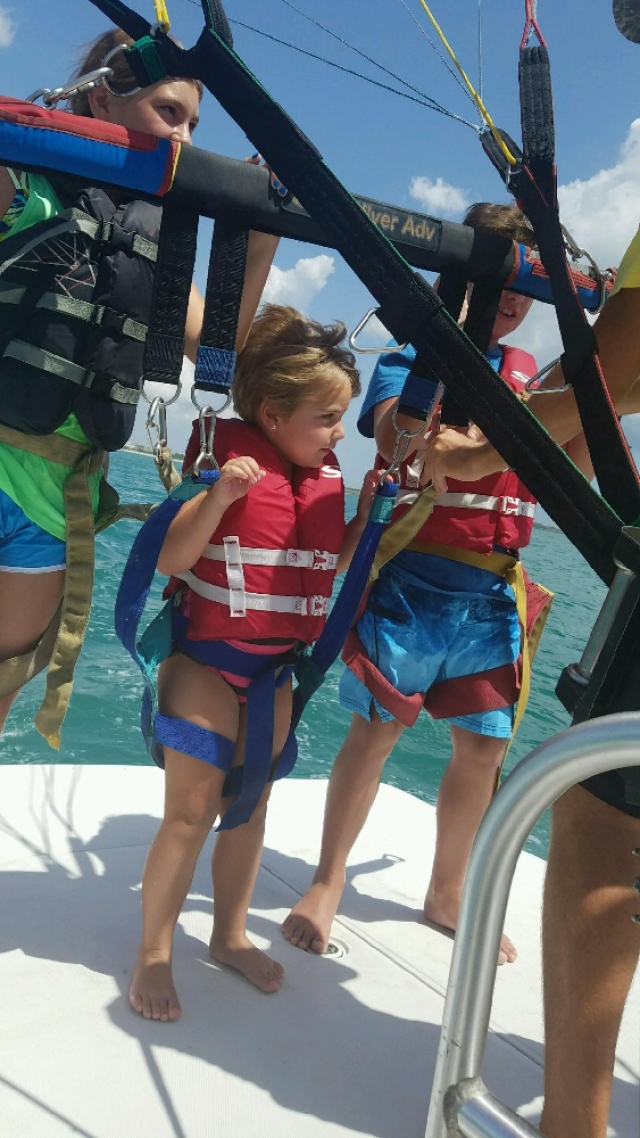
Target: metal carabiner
{"type": "Point", "coordinates": [207, 435]}
{"type": "Point", "coordinates": [360, 328]}
{"type": "Point", "coordinates": [531, 389]}
{"type": "Point", "coordinates": [50, 96]}
{"type": "Point", "coordinates": [402, 443]}
{"type": "Point", "coordinates": [575, 252]}
{"type": "Point", "coordinates": [159, 407]}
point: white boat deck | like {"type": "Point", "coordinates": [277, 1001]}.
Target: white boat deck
{"type": "Point", "coordinates": [347, 1046]}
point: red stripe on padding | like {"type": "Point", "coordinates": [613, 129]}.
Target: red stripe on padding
{"type": "Point", "coordinates": [470, 695]}
{"type": "Point", "coordinates": [28, 114]}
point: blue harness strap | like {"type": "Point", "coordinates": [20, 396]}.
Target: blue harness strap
{"type": "Point", "coordinates": [247, 782]}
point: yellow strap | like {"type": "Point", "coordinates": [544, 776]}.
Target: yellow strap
{"type": "Point", "coordinates": [17, 671]}
{"type": "Point", "coordinates": [162, 16]}
{"type": "Point", "coordinates": [400, 534]}
{"type": "Point", "coordinates": [470, 88]}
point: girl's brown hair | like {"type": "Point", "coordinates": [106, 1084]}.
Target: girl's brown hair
{"type": "Point", "coordinates": [288, 358]}
{"type": "Point", "coordinates": [123, 80]}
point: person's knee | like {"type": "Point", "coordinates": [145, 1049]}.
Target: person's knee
{"type": "Point", "coordinates": [193, 815]}
{"type": "Point", "coordinates": [5, 707]}
{"type": "Point", "coordinates": [373, 740]}
{"type": "Point", "coordinates": [484, 751]}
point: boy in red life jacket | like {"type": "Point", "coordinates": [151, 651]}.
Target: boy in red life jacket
{"type": "Point", "coordinates": [436, 631]}
{"type": "Point", "coordinates": [279, 507]}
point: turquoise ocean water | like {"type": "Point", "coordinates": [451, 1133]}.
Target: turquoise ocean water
{"type": "Point", "coordinates": [102, 723]}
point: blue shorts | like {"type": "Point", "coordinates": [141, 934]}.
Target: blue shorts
{"type": "Point", "coordinates": [24, 546]}
{"type": "Point", "coordinates": [418, 635]}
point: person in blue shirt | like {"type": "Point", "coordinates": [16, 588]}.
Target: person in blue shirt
{"type": "Point", "coordinates": [435, 631]}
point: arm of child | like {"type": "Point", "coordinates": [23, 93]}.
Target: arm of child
{"type": "Point", "coordinates": [191, 530]}
{"type": "Point", "coordinates": [459, 456]}
{"type": "Point", "coordinates": [355, 527]}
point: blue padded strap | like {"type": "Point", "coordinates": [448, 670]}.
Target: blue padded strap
{"type": "Point", "coordinates": [188, 737]}
{"type": "Point", "coordinates": [214, 368]}
{"type": "Point", "coordinates": [257, 750]}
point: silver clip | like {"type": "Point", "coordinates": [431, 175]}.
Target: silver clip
{"type": "Point", "coordinates": [532, 386]}
{"type": "Point", "coordinates": [157, 407]}
{"type": "Point", "coordinates": [50, 96]}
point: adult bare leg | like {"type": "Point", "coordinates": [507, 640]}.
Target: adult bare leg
{"type": "Point", "coordinates": [590, 952]}
{"type": "Point", "coordinates": [353, 786]}
{"type": "Point", "coordinates": [235, 865]}
{"type": "Point", "coordinates": [28, 602]}
{"type": "Point", "coordinates": [193, 791]}
{"type": "Point", "coordinates": [465, 793]}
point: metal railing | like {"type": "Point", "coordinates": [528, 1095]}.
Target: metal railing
{"type": "Point", "coordinates": [460, 1102]}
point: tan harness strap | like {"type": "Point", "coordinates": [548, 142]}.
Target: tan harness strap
{"type": "Point", "coordinates": [17, 671]}
{"type": "Point", "coordinates": [166, 470]}
{"type": "Point", "coordinates": [55, 448]}
{"type": "Point", "coordinates": [76, 600]}
{"type": "Point", "coordinates": [400, 534]}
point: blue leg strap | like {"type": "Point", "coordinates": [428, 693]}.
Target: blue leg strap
{"type": "Point", "coordinates": [181, 735]}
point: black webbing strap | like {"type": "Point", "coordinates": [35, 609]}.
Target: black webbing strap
{"type": "Point", "coordinates": [535, 189]}
{"type": "Point", "coordinates": [164, 349]}
{"type": "Point", "coordinates": [217, 352]}
{"type": "Point", "coordinates": [410, 308]}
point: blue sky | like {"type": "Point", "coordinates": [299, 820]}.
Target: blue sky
{"type": "Point", "coordinates": [387, 147]}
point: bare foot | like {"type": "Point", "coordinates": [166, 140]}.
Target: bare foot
{"type": "Point", "coordinates": [445, 914]}
{"type": "Point", "coordinates": [255, 966]}
{"type": "Point", "coordinates": [308, 925]}
{"type": "Point", "coordinates": [152, 993]}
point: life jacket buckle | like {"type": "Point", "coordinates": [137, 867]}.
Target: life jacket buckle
{"type": "Point", "coordinates": [509, 506]}
{"type": "Point", "coordinates": [318, 606]}
{"type": "Point", "coordinates": [321, 559]}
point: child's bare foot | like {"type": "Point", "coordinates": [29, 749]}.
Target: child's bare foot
{"type": "Point", "coordinates": [444, 912]}
{"type": "Point", "coordinates": [308, 925]}
{"type": "Point", "coordinates": [238, 952]}
{"type": "Point", "coordinates": [152, 993]}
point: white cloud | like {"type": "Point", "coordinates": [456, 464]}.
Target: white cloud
{"type": "Point", "coordinates": [8, 27]}
{"type": "Point", "coordinates": [602, 212]}
{"type": "Point", "coordinates": [298, 286]}
{"type": "Point", "coordinates": [438, 197]}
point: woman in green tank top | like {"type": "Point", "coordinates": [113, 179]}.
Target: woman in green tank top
{"type": "Point", "coordinates": [32, 517]}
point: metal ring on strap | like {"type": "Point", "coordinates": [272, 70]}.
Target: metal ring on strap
{"type": "Point", "coordinates": [110, 54]}
{"type": "Point", "coordinates": [360, 328]}
{"type": "Point", "coordinates": [167, 402]}
{"type": "Point", "coordinates": [209, 410]}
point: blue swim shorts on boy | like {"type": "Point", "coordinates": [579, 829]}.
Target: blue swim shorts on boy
{"type": "Point", "coordinates": [24, 546]}
{"type": "Point", "coordinates": [452, 622]}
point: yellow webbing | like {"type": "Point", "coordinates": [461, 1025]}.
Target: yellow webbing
{"type": "Point", "coordinates": [401, 533]}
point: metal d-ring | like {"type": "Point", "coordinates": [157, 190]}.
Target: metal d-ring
{"type": "Point", "coordinates": [535, 379]}
{"type": "Point", "coordinates": [167, 402]}
{"type": "Point", "coordinates": [360, 328]}
{"type": "Point", "coordinates": [210, 410]}
{"type": "Point", "coordinates": [110, 54]}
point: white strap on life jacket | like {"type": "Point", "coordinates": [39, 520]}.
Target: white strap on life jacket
{"type": "Point", "coordinates": [235, 576]}
{"type": "Point", "coordinates": [504, 504]}
{"type": "Point", "coordinates": [263, 602]}
{"type": "Point", "coordinates": [296, 558]}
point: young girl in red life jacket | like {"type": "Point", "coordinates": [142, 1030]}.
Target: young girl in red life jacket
{"type": "Point", "coordinates": [257, 552]}
{"type": "Point", "coordinates": [33, 529]}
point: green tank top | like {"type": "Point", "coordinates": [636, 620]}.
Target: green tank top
{"type": "Point", "coordinates": [33, 483]}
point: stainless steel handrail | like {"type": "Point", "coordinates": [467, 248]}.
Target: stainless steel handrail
{"type": "Point", "coordinates": [541, 778]}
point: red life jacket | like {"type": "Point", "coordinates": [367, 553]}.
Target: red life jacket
{"type": "Point", "coordinates": [269, 567]}
{"type": "Point", "coordinates": [496, 510]}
